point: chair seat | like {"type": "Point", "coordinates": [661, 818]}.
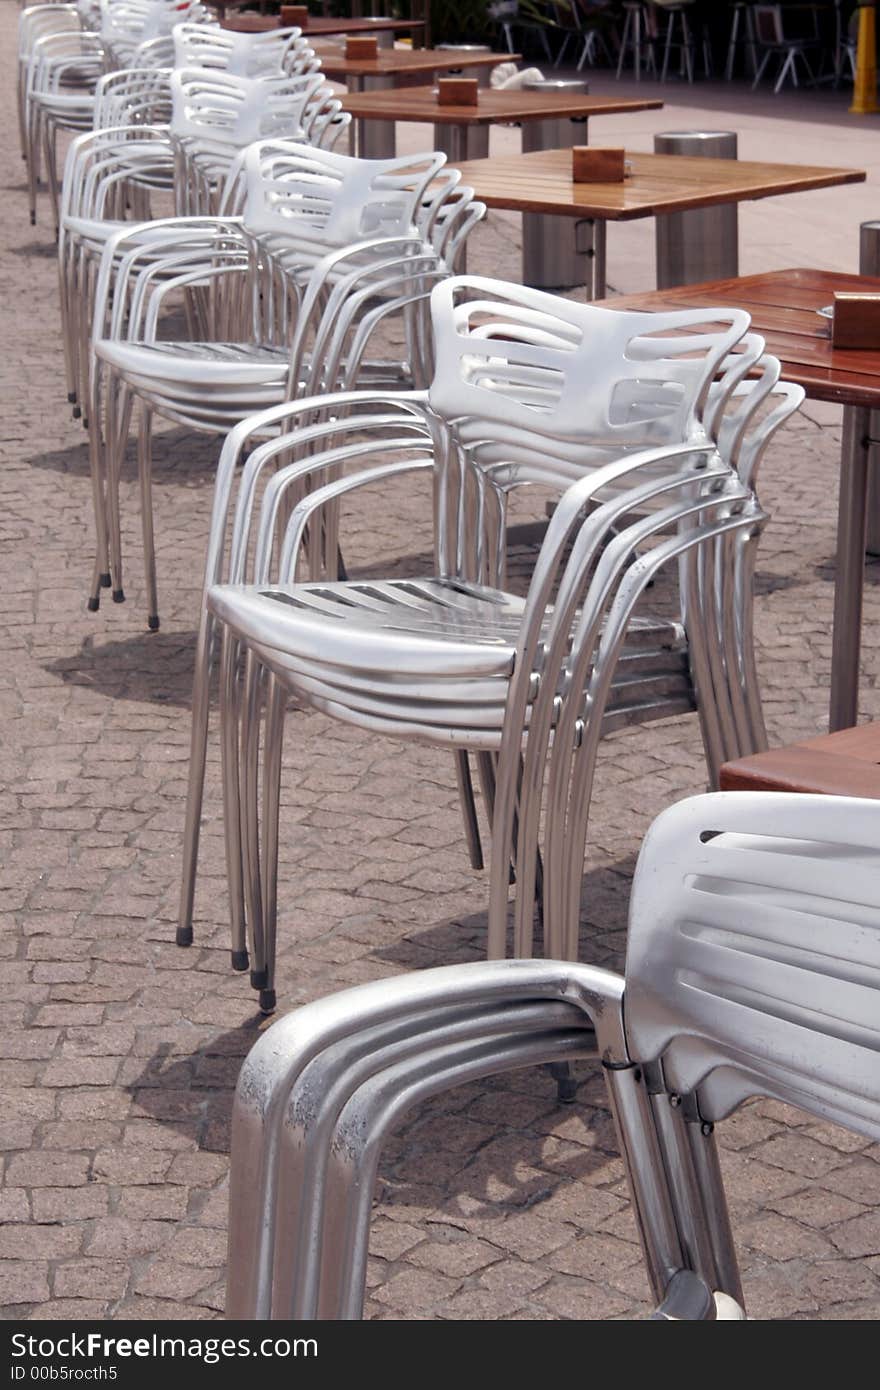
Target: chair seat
{"type": "Point", "coordinates": [198, 365]}
{"type": "Point", "coordinates": [434, 655]}
{"type": "Point", "coordinates": [97, 231]}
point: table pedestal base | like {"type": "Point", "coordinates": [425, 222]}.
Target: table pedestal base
{"type": "Point", "coordinates": [557, 251]}
{"type": "Point", "coordinates": [851, 530]}
{"type": "Point", "coordinates": [460, 142]}
{"type": "Point", "coordinates": [373, 139]}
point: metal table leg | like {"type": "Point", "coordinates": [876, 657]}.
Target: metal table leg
{"type": "Point", "coordinates": [851, 529]}
{"type": "Point", "coordinates": [554, 247]}
{"type": "Point", "coordinates": [461, 142]}
{"type": "Point", "coordinates": [374, 139]}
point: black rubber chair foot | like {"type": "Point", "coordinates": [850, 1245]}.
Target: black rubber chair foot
{"type": "Point", "coordinates": [71, 398]}
{"type": "Point", "coordinates": [240, 960]}
{"type": "Point", "coordinates": [153, 622]}
{"type": "Point", "coordinates": [566, 1090]}
{"type": "Point", "coordinates": [85, 422]}
{"type": "Point", "coordinates": [184, 936]}
{"type": "Point", "coordinates": [33, 219]}
{"type": "Point", "coordinates": [268, 1002]}
{"type": "Point", "coordinates": [77, 412]}
{"type": "Point", "coordinates": [119, 596]}
{"type": "Point", "coordinates": [259, 978]}
{"type": "Point", "coordinates": [93, 605]}
{"type": "Point", "coordinates": [566, 1082]}
{"type": "Point", "coordinates": [105, 581]}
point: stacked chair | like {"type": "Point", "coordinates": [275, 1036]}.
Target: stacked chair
{"type": "Point", "coordinates": [728, 993]}
{"type": "Point", "coordinates": [323, 230]}
{"type": "Point", "coordinates": [59, 69]}
{"type": "Point", "coordinates": [209, 116]}
{"type": "Point", "coordinates": [641, 424]}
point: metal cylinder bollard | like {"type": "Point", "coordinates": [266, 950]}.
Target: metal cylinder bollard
{"type": "Point", "coordinates": [482, 74]}
{"type": "Point", "coordinates": [551, 258]}
{"type": "Point", "coordinates": [384, 37]}
{"type": "Point", "coordinates": [703, 244]}
{"type": "Point", "coordinates": [869, 264]}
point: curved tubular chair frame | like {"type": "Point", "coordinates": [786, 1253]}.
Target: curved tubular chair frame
{"type": "Point", "coordinates": [729, 992]}
{"type": "Point", "coordinates": [532, 690]}
{"type": "Point", "coordinates": [564, 657]}
{"type": "Point", "coordinates": [397, 272]}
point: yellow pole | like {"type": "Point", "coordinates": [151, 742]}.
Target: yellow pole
{"type": "Point", "coordinates": [864, 100]}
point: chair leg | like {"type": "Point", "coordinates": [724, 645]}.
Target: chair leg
{"type": "Point", "coordinates": [688, 49]}
{"type": "Point", "coordinates": [273, 742]}
{"type": "Point", "coordinates": [759, 71]}
{"type": "Point", "coordinates": [731, 45]}
{"type": "Point", "coordinates": [468, 808]}
{"type": "Point", "coordinates": [715, 1215]}
{"type": "Point", "coordinates": [117, 410]}
{"type": "Point", "coordinates": [243, 915]}
{"type": "Point", "coordinates": [101, 573]}
{"type": "Point", "coordinates": [624, 40]}
{"type": "Point", "coordinates": [669, 27]}
{"type": "Point", "coordinates": [145, 478]}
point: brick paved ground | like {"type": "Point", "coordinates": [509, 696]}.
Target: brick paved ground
{"type": "Point", "coordinates": [119, 1051]}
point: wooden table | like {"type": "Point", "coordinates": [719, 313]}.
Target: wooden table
{"type": "Point", "coordinates": [394, 68]}
{"type": "Point", "coordinates": [783, 306]}
{"type": "Point", "coordinates": [458, 125]}
{"type": "Point", "coordinates": [846, 763]}
{"type": "Point", "coordinates": [658, 183]}
{"type": "Point", "coordinates": [547, 118]}
{"type": "Point", "coordinates": [319, 27]}
{"type": "Point", "coordinates": [395, 65]}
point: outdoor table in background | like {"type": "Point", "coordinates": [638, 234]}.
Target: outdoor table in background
{"type": "Point", "coordinates": [319, 27]}
{"type": "Point", "coordinates": [658, 183]}
{"type": "Point", "coordinates": [783, 305]}
{"type": "Point", "coordinates": [394, 68]}
{"type": "Point", "coordinates": [463, 132]}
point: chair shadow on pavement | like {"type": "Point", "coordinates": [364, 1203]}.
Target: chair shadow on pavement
{"type": "Point", "coordinates": [489, 1149]}
{"type": "Point", "coordinates": [155, 667]}
{"type": "Point", "coordinates": [179, 456]}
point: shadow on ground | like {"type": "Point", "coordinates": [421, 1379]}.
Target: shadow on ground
{"type": "Point", "coordinates": [154, 667]}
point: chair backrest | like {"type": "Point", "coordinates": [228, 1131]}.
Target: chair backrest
{"type": "Point", "coordinates": [39, 20]}
{"type": "Point", "coordinates": [532, 364]}
{"type": "Point", "coordinates": [126, 23]}
{"type": "Point", "coordinates": [768, 23]}
{"type": "Point", "coordinates": [214, 105]}
{"type": "Point", "coordinates": [133, 96]}
{"type": "Point", "coordinates": [753, 960]}
{"type": "Point", "coordinates": [245, 55]}
{"type": "Point", "coordinates": [296, 190]}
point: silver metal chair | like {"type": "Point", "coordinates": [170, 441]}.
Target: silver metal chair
{"type": "Point", "coordinates": [638, 38]}
{"type": "Point", "coordinates": [369, 211]}
{"type": "Point", "coordinates": [580, 23]}
{"type": "Point", "coordinates": [730, 991]}
{"type": "Point", "coordinates": [457, 660]}
{"type": "Point", "coordinates": [774, 40]}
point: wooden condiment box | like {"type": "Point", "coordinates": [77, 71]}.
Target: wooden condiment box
{"type": "Point", "coordinates": [361, 46]}
{"type": "Point", "coordinates": [294, 16]}
{"type": "Point", "coordinates": [592, 164]}
{"type": "Point", "coordinates": [457, 91]}
{"type": "Point", "coordinates": [856, 322]}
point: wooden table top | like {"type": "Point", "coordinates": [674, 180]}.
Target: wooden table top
{"type": "Point", "coordinates": [541, 182]}
{"type": "Point", "coordinates": [420, 104]}
{"type": "Point", "coordinates": [783, 306]}
{"type": "Point", "coordinates": [392, 62]}
{"type": "Point", "coordinates": [843, 764]}
{"type": "Point", "coordinates": [317, 24]}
